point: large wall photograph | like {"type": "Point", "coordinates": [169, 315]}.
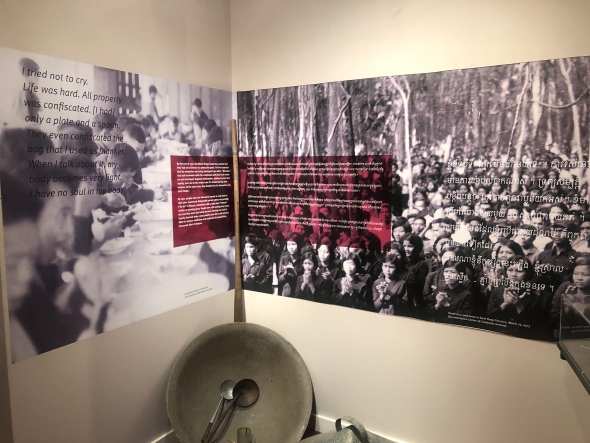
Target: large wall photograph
{"type": "Point", "coordinates": [457, 197]}
{"type": "Point", "coordinates": [103, 215]}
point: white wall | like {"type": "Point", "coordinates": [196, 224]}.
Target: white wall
{"type": "Point", "coordinates": [292, 42]}
{"type": "Point", "coordinates": [111, 388]}
{"type": "Point", "coordinates": [414, 381]}
{"type": "Point", "coordinates": [183, 40]}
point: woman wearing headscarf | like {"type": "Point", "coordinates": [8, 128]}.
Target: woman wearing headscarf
{"type": "Point", "coordinates": [290, 266]}
{"type": "Point", "coordinates": [256, 267]}
{"type": "Point", "coordinates": [389, 292]}
{"type": "Point", "coordinates": [514, 301]}
{"type": "Point", "coordinates": [453, 298]}
{"type": "Point", "coordinates": [418, 271]}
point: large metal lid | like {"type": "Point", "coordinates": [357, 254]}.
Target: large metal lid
{"type": "Point", "coordinates": [239, 351]}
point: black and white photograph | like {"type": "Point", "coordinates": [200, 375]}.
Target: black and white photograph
{"type": "Point", "coordinates": [87, 197]}
{"type": "Point", "coordinates": [484, 192]}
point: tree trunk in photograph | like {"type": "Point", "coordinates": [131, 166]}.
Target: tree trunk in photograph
{"type": "Point", "coordinates": [453, 112]}
{"type": "Point", "coordinates": [337, 105]}
{"type": "Point", "coordinates": [444, 117]}
{"type": "Point", "coordinates": [349, 143]}
{"type": "Point", "coordinates": [275, 150]}
{"type": "Point", "coordinates": [306, 144]}
{"type": "Point", "coordinates": [558, 138]}
{"type": "Point", "coordinates": [522, 134]}
{"type": "Point", "coordinates": [551, 124]}
{"type": "Point", "coordinates": [576, 138]}
{"type": "Point", "coordinates": [307, 110]}
{"type": "Point", "coordinates": [549, 138]}
{"type": "Point", "coordinates": [350, 140]}
{"type": "Point", "coordinates": [465, 96]}
{"type": "Point", "coordinates": [432, 119]}
{"type": "Point", "coordinates": [245, 103]}
{"type": "Point", "coordinates": [537, 92]}
{"type": "Point", "coordinates": [499, 125]}
{"type": "Point", "coordinates": [405, 99]}
{"type": "Point", "coordinates": [257, 146]}
{"type": "Point", "coordinates": [475, 110]}
{"type": "Point", "coordinates": [481, 111]}
{"type": "Point", "coordinates": [333, 118]}
{"type": "Point", "coordinates": [501, 110]}
{"type": "Point", "coordinates": [333, 137]}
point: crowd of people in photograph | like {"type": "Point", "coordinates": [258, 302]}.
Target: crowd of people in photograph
{"type": "Point", "coordinates": [477, 246]}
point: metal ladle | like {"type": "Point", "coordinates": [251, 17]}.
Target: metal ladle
{"type": "Point", "coordinates": [226, 391]}
{"type": "Point", "coordinates": [245, 394]}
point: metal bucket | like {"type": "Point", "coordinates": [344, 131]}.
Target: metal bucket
{"type": "Point", "coordinates": [354, 433]}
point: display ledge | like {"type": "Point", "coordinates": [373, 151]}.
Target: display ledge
{"type": "Point", "coordinates": [577, 354]}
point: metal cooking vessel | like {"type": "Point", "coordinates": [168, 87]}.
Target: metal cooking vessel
{"type": "Point", "coordinates": [239, 351]}
{"type": "Point", "coordinates": [353, 433]}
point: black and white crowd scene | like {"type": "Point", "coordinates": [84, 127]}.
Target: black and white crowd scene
{"type": "Point", "coordinates": [488, 236]}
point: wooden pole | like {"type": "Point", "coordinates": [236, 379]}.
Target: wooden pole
{"type": "Point", "coordinates": [239, 307]}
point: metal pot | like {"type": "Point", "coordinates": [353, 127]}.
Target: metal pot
{"type": "Point", "coordinates": [354, 433]}
{"type": "Point", "coordinates": [238, 351]}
